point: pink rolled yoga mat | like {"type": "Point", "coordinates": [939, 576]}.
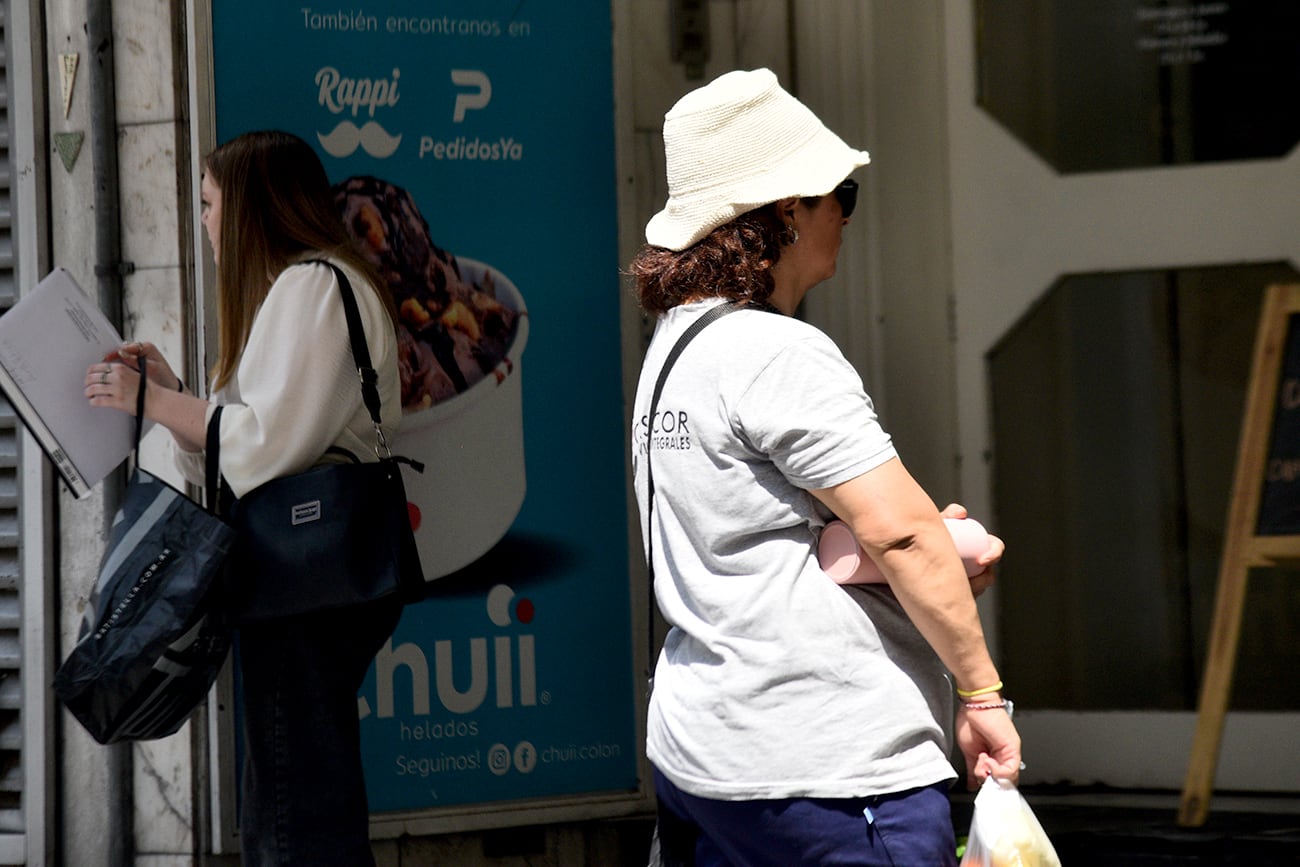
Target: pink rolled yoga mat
{"type": "Point", "coordinates": [846, 562]}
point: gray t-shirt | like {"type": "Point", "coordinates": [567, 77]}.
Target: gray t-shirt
{"type": "Point", "coordinates": [774, 682]}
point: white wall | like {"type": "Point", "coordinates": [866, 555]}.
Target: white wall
{"type": "Point", "coordinates": [154, 201]}
{"type": "Point", "coordinates": [83, 782]}
{"type": "Point", "coordinates": [1016, 226]}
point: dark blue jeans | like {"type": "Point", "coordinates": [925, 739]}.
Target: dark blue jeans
{"type": "Point", "coordinates": [905, 829]}
{"type": "Point", "coordinates": [303, 795]}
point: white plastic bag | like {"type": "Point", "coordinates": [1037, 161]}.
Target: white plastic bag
{"type": "Point", "coordinates": [1004, 832]}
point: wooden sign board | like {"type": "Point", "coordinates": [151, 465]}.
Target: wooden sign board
{"type": "Point", "coordinates": [1263, 525]}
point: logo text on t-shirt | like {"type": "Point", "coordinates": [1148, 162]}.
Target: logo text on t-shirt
{"type": "Point", "coordinates": [670, 431]}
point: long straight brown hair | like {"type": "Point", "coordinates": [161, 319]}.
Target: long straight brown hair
{"type": "Point", "coordinates": [276, 206]}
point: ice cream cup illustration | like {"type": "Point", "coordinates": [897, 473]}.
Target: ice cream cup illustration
{"type": "Point", "coordinates": [472, 445]}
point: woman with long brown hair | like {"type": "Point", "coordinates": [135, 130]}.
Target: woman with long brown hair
{"type": "Point", "coordinates": [287, 384]}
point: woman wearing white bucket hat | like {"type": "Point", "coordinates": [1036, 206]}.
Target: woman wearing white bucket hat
{"type": "Point", "coordinates": [792, 721]}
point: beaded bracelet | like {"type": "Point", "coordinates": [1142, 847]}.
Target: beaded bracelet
{"type": "Point", "coordinates": [971, 693]}
{"type": "Point", "coordinates": [1006, 704]}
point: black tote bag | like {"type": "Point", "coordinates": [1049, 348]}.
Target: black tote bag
{"type": "Point", "coordinates": [155, 636]}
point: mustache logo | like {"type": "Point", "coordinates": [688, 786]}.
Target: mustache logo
{"type": "Point", "coordinates": [372, 138]}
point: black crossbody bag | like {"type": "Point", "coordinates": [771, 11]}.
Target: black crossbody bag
{"type": "Point", "coordinates": [336, 535]}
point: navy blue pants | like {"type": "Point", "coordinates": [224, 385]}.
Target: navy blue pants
{"type": "Point", "coordinates": [906, 829]}
{"type": "Point", "coordinates": [303, 795]}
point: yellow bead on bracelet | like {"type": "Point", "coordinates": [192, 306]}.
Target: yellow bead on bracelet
{"type": "Point", "coordinates": [971, 693]}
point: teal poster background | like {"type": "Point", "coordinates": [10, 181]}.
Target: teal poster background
{"type": "Point", "coordinates": [514, 680]}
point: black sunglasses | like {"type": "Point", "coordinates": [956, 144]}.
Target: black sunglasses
{"type": "Point", "coordinates": [847, 195]}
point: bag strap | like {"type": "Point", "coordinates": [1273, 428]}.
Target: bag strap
{"type": "Point", "coordinates": [217, 492]}
{"type": "Point", "coordinates": [139, 410]}
{"type": "Point", "coordinates": [212, 446]}
{"type": "Point", "coordinates": [708, 318]}
{"type": "Point", "coordinates": [360, 353]}
{"type": "Point", "coordinates": [369, 376]}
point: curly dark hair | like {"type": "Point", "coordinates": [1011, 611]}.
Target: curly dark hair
{"type": "Point", "coordinates": [734, 261]}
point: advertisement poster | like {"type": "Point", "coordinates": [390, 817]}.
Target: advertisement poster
{"type": "Point", "coordinates": [471, 145]}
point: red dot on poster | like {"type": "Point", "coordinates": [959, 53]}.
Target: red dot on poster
{"type": "Point", "coordinates": [413, 512]}
{"type": "Point", "coordinates": [524, 611]}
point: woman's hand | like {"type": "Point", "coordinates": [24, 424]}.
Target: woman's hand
{"type": "Point", "coordinates": [985, 579]}
{"type": "Point", "coordinates": [112, 384]}
{"type": "Point", "coordinates": [115, 383]}
{"type": "Point", "coordinates": [989, 742]}
{"type": "Point", "coordinates": [159, 370]}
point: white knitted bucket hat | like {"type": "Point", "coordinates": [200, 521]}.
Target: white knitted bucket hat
{"type": "Point", "coordinates": [737, 143]}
